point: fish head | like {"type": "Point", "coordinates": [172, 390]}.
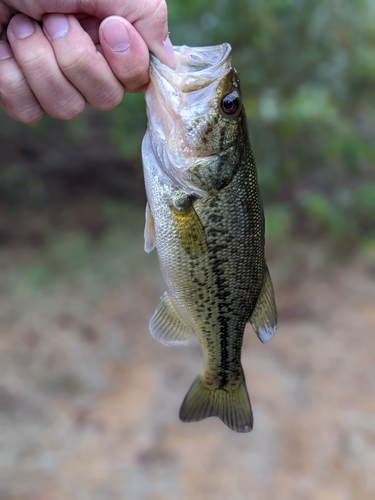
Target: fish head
{"type": "Point", "coordinates": [195, 112]}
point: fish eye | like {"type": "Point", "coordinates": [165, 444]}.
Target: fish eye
{"type": "Point", "coordinates": [230, 103]}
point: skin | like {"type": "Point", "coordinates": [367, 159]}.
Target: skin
{"type": "Point", "coordinates": [57, 56]}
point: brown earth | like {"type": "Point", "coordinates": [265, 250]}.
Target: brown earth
{"type": "Point", "coordinates": [89, 401]}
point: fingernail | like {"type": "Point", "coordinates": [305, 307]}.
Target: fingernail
{"type": "Point", "coordinates": [116, 34]}
{"type": "Point", "coordinates": [5, 51]}
{"type": "Point", "coordinates": [22, 26]}
{"type": "Point", "coordinates": [170, 58]}
{"type": "Point", "coordinates": [56, 26]}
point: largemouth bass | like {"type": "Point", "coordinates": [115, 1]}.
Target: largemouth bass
{"type": "Point", "coordinates": [204, 215]}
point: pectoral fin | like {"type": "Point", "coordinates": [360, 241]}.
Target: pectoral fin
{"type": "Point", "coordinates": [149, 230]}
{"type": "Point", "coordinates": [190, 230]}
{"type": "Point", "coordinates": [167, 326]}
{"type": "Point", "coordinates": [264, 316]}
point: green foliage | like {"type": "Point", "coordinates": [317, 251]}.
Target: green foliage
{"type": "Point", "coordinates": [365, 200]}
{"type": "Point", "coordinates": [73, 257]}
{"type": "Point", "coordinates": [128, 125]}
{"type": "Point", "coordinates": [326, 214]}
{"type": "Point", "coordinates": [368, 252]}
{"type": "Point", "coordinates": [307, 69]}
{"type": "Point", "coordinates": [278, 221]}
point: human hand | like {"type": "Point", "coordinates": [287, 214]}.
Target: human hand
{"type": "Point", "coordinates": [92, 56]}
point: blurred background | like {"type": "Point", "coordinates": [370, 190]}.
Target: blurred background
{"type": "Point", "coordinates": [88, 400]}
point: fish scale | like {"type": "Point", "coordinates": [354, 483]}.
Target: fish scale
{"type": "Point", "coordinates": [237, 267]}
{"type": "Point", "coordinates": [205, 218]}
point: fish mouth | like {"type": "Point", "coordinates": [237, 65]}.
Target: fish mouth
{"type": "Point", "coordinates": [178, 98]}
{"type": "Point", "coordinates": [196, 59]}
{"type": "Point", "coordinates": [196, 67]}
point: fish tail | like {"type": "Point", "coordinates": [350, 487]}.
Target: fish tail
{"type": "Point", "coordinates": [232, 406]}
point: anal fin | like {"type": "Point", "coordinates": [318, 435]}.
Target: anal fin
{"type": "Point", "coordinates": [264, 316]}
{"type": "Point", "coordinates": [167, 326]}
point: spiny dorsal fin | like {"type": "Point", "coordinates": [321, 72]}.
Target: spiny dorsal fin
{"type": "Point", "coordinates": [264, 316]}
{"type": "Point", "coordinates": [167, 326]}
{"type": "Point", "coordinates": [149, 230]}
{"type": "Point", "coordinates": [231, 406]}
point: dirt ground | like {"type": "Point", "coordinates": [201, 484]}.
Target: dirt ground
{"type": "Point", "coordinates": [89, 401]}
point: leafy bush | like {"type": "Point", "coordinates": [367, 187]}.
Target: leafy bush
{"type": "Point", "coordinates": [308, 72]}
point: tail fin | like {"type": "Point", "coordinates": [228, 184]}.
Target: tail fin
{"type": "Point", "coordinates": [231, 406]}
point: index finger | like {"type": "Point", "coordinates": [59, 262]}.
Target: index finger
{"type": "Point", "coordinates": [6, 14]}
{"type": "Point", "coordinates": [149, 17]}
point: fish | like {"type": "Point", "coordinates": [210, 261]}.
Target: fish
{"type": "Point", "coordinates": [204, 215]}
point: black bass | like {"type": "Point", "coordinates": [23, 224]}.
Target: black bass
{"type": "Point", "coordinates": [204, 215]}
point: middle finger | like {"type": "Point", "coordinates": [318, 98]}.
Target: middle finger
{"type": "Point", "coordinates": [81, 62]}
{"type": "Point", "coordinates": [36, 59]}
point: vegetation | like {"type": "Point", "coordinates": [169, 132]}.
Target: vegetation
{"type": "Point", "coordinates": [308, 72]}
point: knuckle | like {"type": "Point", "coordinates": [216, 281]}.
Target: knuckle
{"type": "Point", "coordinates": [160, 16]}
{"type": "Point", "coordinates": [135, 90]}
{"type": "Point", "coordinates": [160, 9]}
{"type": "Point", "coordinates": [75, 62]}
{"type": "Point", "coordinates": [10, 80]}
{"type": "Point", "coordinates": [155, 9]}
{"type": "Point", "coordinates": [155, 13]}
{"type": "Point", "coordinates": [18, 100]}
{"type": "Point", "coordinates": [33, 61]}
{"type": "Point", "coordinates": [32, 116]}
{"type": "Point", "coordinates": [68, 110]}
{"type": "Point", "coordinates": [108, 100]}
{"type": "Point", "coordinates": [27, 114]}
{"type": "Point", "coordinates": [136, 78]}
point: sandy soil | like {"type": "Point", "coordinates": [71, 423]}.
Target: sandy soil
{"type": "Point", "coordinates": [89, 401]}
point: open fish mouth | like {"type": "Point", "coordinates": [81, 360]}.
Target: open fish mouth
{"type": "Point", "coordinates": [178, 102]}
{"type": "Point", "coordinates": [175, 98]}
{"type": "Point", "coordinates": [196, 67]}
{"type": "Point", "coordinates": [201, 58]}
